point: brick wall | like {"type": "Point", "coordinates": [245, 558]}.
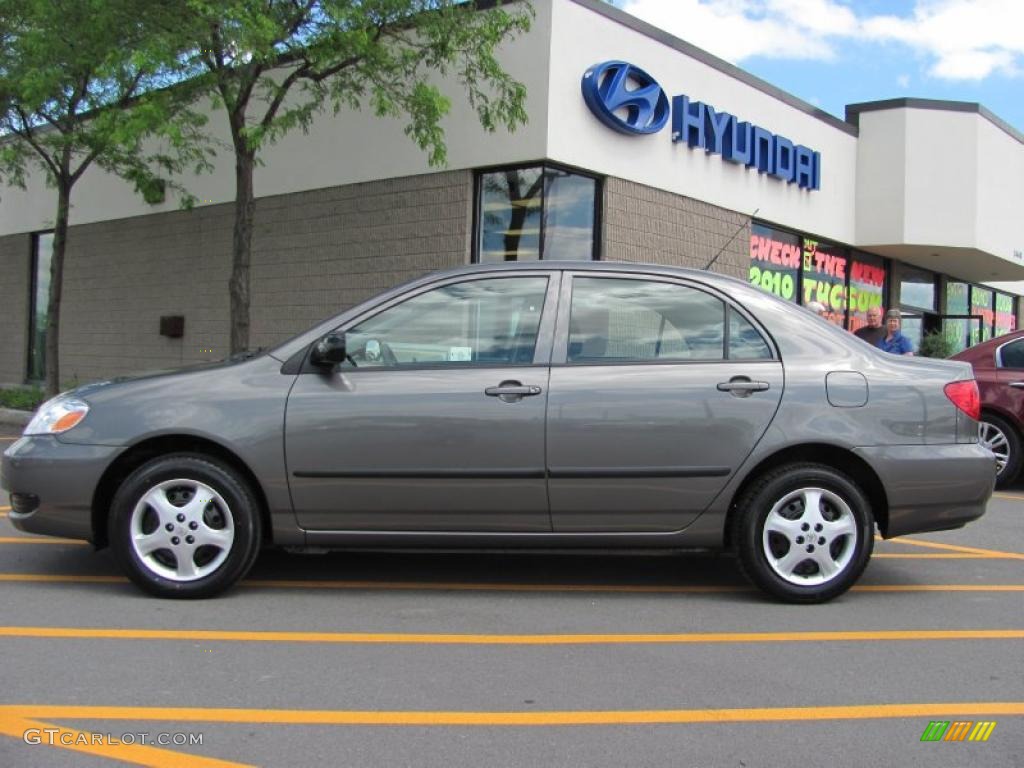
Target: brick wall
{"type": "Point", "coordinates": [649, 225]}
{"type": "Point", "coordinates": [15, 257]}
{"type": "Point", "coordinates": [314, 254]}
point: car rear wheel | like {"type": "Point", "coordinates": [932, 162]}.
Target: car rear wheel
{"type": "Point", "coordinates": [999, 436]}
{"type": "Point", "coordinates": [185, 526]}
{"type": "Point", "coordinates": [804, 533]}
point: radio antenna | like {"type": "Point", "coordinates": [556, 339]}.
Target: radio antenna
{"type": "Point", "coordinates": [729, 241]}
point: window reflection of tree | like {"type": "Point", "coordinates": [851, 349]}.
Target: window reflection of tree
{"type": "Point", "coordinates": [518, 191]}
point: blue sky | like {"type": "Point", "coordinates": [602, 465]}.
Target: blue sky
{"type": "Point", "coordinates": [837, 52]}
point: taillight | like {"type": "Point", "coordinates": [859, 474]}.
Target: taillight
{"type": "Point", "coordinates": [964, 395]}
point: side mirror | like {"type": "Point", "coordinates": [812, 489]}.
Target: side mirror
{"type": "Point", "coordinates": [329, 351]}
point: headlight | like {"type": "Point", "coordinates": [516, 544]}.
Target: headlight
{"type": "Point", "coordinates": [57, 415]}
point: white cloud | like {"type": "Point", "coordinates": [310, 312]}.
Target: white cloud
{"type": "Point", "coordinates": [959, 39]}
{"type": "Point", "coordinates": [903, 81]}
{"type": "Point", "coordinates": [963, 39]}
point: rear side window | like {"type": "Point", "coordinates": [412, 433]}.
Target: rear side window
{"type": "Point", "coordinates": [616, 320]}
{"type": "Point", "coordinates": [1012, 355]}
{"type": "Point", "coordinates": [745, 342]}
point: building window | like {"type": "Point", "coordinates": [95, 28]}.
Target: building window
{"type": "Point", "coordinates": [42, 250]}
{"type": "Point", "coordinates": [958, 328]}
{"type": "Point", "coordinates": [1006, 314]}
{"type": "Point", "coordinates": [540, 212]}
{"type": "Point", "coordinates": [917, 288]}
{"type": "Point", "coordinates": [981, 305]}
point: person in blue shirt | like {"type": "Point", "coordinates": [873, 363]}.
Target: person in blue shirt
{"type": "Point", "coordinates": [894, 341]}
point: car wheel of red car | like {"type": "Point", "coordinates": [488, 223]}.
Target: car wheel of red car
{"type": "Point", "coordinates": [1000, 437]}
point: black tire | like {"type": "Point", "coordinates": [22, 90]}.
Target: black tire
{"type": "Point", "coordinates": [1001, 437]}
{"type": "Point", "coordinates": [773, 561]}
{"type": "Point", "coordinates": [185, 526]}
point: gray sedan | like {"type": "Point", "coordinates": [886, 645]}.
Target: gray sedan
{"type": "Point", "coordinates": [546, 404]}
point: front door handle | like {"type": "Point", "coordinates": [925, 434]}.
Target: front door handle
{"type": "Point", "coordinates": [1017, 384]}
{"type": "Point", "coordinates": [511, 391]}
{"type": "Point", "coordinates": [742, 386]}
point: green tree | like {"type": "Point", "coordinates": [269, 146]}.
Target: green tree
{"type": "Point", "coordinates": [83, 83]}
{"type": "Point", "coordinates": [272, 65]}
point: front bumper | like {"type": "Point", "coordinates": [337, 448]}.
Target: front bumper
{"type": "Point", "coordinates": [933, 487]}
{"type": "Point", "coordinates": [62, 478]}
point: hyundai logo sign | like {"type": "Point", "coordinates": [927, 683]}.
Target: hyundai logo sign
{"type": "Point", "coordinates": [628, 100]}
{"type": "Point", "coordinates": [625, 98]}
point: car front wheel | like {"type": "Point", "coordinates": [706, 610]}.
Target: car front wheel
{"type": "Point", "coordinates": [185, 525]}
{"type": "Point", "coordinates": [804, 533]}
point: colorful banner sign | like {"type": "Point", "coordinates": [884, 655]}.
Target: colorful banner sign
{"type": "Point", "coordinates": [825, 278]}
{"type": "Point", "coordinates": [774, 262]}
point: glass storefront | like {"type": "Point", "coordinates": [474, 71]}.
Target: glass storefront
{"type": "Point", "coordinates": [805, 270]}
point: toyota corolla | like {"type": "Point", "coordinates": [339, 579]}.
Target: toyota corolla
{"type": "Point", "coordinates": [544, 405]}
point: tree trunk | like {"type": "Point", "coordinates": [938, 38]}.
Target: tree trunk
{"type": "Point", "coordinates": [241, 256]}
{"type": "Point", "coordinates": [60, 237]}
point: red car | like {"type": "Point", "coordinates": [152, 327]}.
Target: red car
{"type": "Point", "coordinates": [999, 368]}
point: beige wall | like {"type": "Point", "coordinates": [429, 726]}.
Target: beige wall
{"type": "Point", "coordinates": [646, 224]}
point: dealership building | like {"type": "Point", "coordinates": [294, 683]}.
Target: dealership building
{"type": "Point", "coordinates": [639, 147]}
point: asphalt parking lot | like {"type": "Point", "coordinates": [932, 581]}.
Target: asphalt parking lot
{"type": "Point", "coordinates": [378, 659]}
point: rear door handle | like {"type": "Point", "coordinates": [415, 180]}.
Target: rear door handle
{"type": "Point", "coordinates": [511, 391]}
{"type": "Point", "coordinates": [741, 386]}
{"type": "Point", "coordinates": [1017, 384]}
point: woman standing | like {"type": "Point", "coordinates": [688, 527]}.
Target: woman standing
{"type": "Point", "coordinates": [894, 341]}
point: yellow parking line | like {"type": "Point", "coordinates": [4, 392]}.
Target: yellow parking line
{"type": "Point", "coordinates": [470, 587]}
{"type": "Point", "coordinates": [394, 638]}
{"type": "Point", "coordinates": [550, 718]}
{"type": "Point", "coordinates": [957, 548]}
{"type": "Point", "coordinates": [95, 744]}
{"type": "Point", "coordinates": [1010, 496]}
{"type": "Point", "coordinates": [38, 540]}
{"type": "Point", "coordinates": [5, 509]}
{"type": "Point", "coordinates": [51, 578]}
{"type": "Point", "coordinates": [937, 556]}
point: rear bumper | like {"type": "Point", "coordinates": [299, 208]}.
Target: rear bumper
{"type": "Point", "coordinates": [52, 484]}
{"type": "Point", "coordinates": [933, 487]}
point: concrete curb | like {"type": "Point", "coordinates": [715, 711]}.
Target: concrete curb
{"type": "Point", "coordinates": [14, 418]}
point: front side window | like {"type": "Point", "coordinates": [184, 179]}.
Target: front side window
{"type": "Point", "coordinates": [490, 322]}
{"type": "Point", "coordinates": [614, 320]}
{"type": "Point", "coordinates": [42, 250]}
{"type": "Point", "coordinates": [534, 213]}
